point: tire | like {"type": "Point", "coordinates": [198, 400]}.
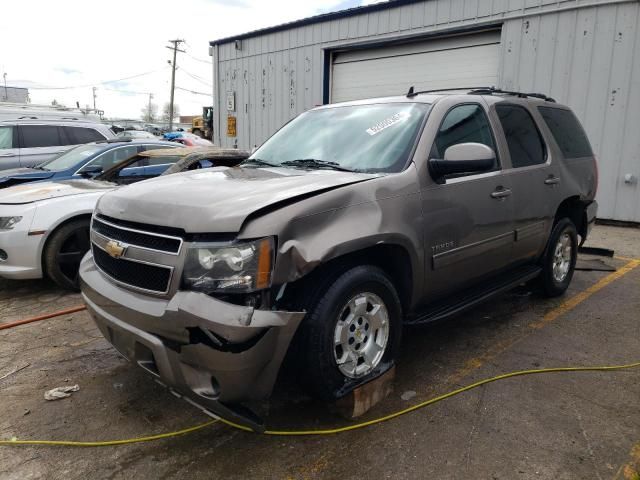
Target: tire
{"type": "Point", "coordinates": [358, 290]}
{"type": "Point", "coordinates": [64, 251]}
{"type": "Point", "coordinates": [559, 261]}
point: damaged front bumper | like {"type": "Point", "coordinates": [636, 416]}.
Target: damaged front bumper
{"type": "Point", "coordinates": [214, 353]}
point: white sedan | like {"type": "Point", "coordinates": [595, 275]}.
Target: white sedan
{"type": "Point", "coordinates": [44, 227]}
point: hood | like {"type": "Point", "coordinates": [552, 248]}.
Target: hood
{"type": "Point", "coordinates": [218, 199]}
{"type": "Point", "coordinates": [35, 192]}
{"type": "Point", "coordinates": [14, 176]}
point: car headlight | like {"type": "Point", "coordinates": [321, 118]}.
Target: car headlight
{"type": "Point", "coordinates": [7, 223]}
{"type": "Point", "coordinates": [238, 268]}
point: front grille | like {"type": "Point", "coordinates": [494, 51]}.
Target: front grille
{"type": "Point", "coordinates": [137, 238]}
{"type": "Point", "coordinates": [135, 274]}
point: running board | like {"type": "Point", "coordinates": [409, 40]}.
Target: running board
{"type": "Point", "coordinates": [475, 295]}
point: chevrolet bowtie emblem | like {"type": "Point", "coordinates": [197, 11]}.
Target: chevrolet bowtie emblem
{"type": "Point", "coordinates": [115, 249]}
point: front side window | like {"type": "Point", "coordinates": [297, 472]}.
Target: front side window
{"type": "Point", "coordinates": [163, 160]}
{"type": "Point", "coordinates": [40, 136]}
{"type": "Point", "coordinates": [463, 124]}
{"type": "Point", "coordinates": [363, 138]}
{"type": "Point", "coordinates": [567, 132]}
{"type": "Point", "coordinates": [71, 158]}
{"type": "Point", "coordinates": [6, 138]}
{"type": "Point", "coordinates": [114, 156]}
{"type": "Point", "coordinates": [525, 143]}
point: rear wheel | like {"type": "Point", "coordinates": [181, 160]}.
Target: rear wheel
{"type": "Point", "coordinates": [351, 333]}
{"type": "Point", "coordinates": [560, 258]}
{"type": "Point", "coordinates": [64, 251]}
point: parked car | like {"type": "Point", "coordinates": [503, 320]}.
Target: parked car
{"type": "Point", "coordinates": [30, 142]}
{"type": "Point", "coordinates": [135, 134]}
{"type": "Point", "coordinates": [44, 227]}
{"type": "Point", "coordinates": [191, 140]}
{"type": "Point", "coordinates": [351, 221]}
{"type": "Point", "coordinates": [83, 161]}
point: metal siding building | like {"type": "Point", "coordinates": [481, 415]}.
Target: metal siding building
{"type": "Point", "coordinates": [584, 53]}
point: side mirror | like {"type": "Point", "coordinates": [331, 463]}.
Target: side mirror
{"type": "Point", "coordinates": [462, 158]}
{"type": "Point", "coordinates": [90, 171]}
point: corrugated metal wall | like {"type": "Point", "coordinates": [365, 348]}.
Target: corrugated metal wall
{"type": "Point", "coordinates": [586, 53]}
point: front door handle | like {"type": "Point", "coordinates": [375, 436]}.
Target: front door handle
{"type": "Point", "coordinates": [7, 154]}
{"type": "Point", "coordinates": [501, 193]}
{"type": "Point", "coordinates": [552, 180]}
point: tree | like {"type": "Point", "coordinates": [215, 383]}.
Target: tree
{"type": "Point", "coordinates": [165, 111]}
{"type": "Point", "coordinates": [149, 112]}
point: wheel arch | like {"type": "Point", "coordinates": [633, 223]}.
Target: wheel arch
{"type": "Point", "coordinates": [574, 208]}
{"type": "Point", "coordinates": [392, 258]}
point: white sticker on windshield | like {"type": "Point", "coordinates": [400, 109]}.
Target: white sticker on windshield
{"type": "Point", "coordinates": [386, 123]}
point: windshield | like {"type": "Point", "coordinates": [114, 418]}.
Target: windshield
{"type": "Point", "coordinates": [362, 138]}
{"type": "Point", "coordinates": [71, 157]}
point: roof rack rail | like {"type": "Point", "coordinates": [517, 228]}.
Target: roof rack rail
{"type": "Point", "coordinates": [411, 93]}
{"type": "Point", "coordinates": [481, 91]}
{"type": "Point", "coordinates": [492, 90]}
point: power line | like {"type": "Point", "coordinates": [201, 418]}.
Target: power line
{"type": "Point", "coordinates": [97, 83]}
{"type": "Point", "coordinates": [198, 59]}
{"type": "Point", "coordinates": [192, 91]}
{"type": "Point", "coordinates": [132, 92]}
{"type": "Point", "coordinates": [196, 77]}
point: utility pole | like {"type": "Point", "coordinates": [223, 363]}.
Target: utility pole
{"type": "Point", "coordinates": [149, 118]}
{"type": "Point", "coordinates": [94, 99]}
{"type": "Point", "coordinates": [6, 95]}
{"type": "Point", "coordinates": [176, 44]}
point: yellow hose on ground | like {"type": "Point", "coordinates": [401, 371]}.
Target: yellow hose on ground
{"type": "Point", "coordinates": [606, 368]}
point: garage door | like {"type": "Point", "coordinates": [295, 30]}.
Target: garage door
{"type": "Point", "coordinates": [459, 61]}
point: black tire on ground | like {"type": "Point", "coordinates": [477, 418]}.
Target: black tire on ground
{"type": "Point", "coordinates": [551, 285]}
{"type": "Point", "coordinates": [64, 251]}
{"type": "Point", "coordinates": [317, 351]}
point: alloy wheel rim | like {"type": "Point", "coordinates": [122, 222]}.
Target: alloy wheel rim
{"type": "Point", "coordinates": [562, 258]}
{"type": "Point", "coordinates": [70, 254]}
{"type": "Point", "coordinates": [361, 335]}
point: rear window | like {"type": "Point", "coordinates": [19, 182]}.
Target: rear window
{"type": "Point", "coordinates": [78, 135]}
{"type": "Point", "coordinates": [567, 132]}
{"type": "Point", "coordinates": [526, 147]}
{"type": "Point", "coordinates": [40, 136]}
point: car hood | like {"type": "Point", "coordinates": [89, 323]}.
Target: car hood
{"type": "Point", "coordinates": [218, 199]}
{"type": "Point", "coordinates": [29, 193]}
{"type": "Point", "coordinates": [14, 176]}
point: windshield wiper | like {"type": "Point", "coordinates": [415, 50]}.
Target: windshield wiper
{"type": "Point", "coordinates": [312, 162]}
{"type": "Point", "coordinates": [259, 162]}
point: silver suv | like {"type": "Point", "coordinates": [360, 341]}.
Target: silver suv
{"type": "Point", "coordinates": [351, 221]}
{"type": "Point", "coordinates": [27, 142]}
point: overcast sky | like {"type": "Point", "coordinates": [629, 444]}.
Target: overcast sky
{"type": "Point", "coordinates": [69, 43]}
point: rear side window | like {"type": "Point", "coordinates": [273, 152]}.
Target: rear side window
{"type": "Point", "coordinates": [567, 132]}
{"type": "Point", "coordinates": [78, 135]}
{"type": "Point", "coordinates": [6, 138]}
{"type": "Point", "coordinates": [40, 136]}
{"type": "Point", "coordinates": [525, 143]}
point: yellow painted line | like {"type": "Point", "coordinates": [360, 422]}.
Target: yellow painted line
{"type": "Point", "coordinates": [500, 347]}
{"type": "Point", "coordinates": [576, 300]}
{"type": "Point", "coordinates": [631, 470]}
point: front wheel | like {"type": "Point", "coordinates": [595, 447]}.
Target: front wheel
{"type": "Point", "coordinates": [560, 258]}
{"type": "Point", "coordinates": [64, 251]}
{"type": "Point", "coordinates": [352, 333]}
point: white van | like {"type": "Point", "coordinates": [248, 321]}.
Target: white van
{"type": "Point", "coordinates": [30, 140]}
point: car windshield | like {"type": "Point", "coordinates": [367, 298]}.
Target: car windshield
{"type": "Point", "coordinates": [71, 157]}
{"type": "Point", "coordinates": [362, 138]}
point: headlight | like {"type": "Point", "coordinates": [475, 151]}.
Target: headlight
{"type": "Point", "coordinates": [238, 268]}
{"type": "Point", "coordinates": [7, 223]}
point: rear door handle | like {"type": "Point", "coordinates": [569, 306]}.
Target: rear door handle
{"type": "Point", "coordinates": [552, 181]}
{"type": "Point", "coordinates": [501, 193]}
